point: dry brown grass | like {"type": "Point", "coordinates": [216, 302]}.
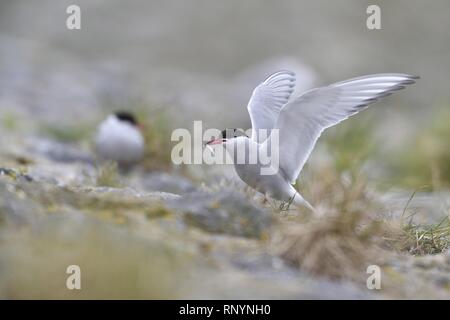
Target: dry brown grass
{"type": "Point", "coordinates": [158, 148]}
{"type": "Point", "coordinates": [348, 231]}
{"type": "Point", "coordinates": [339, 240]}
{"type": "Point", "coordinates": [331, 247]}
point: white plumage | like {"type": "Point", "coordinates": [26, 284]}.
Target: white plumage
{"type": "Point", "coordinates": [300, 121]}
{"type": "Point", "coordinates": [267, 100]}
{"type": "Point", "coordinates": [119, 141]}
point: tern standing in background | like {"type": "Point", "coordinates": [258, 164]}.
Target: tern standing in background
{"type": "Point", "coordinates": [119, 139]}
{"type": "Point", "coordinates": [299, 121]}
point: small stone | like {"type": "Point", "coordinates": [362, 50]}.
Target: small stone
{"type": "Point", "coordinates": [224, 212]}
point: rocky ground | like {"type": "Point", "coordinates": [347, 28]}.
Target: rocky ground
{"type": "Point", "coordinates": [158, 234]}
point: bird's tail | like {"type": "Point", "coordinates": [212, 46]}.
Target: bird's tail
{"type": "Point", "coordinates": [299, 201]}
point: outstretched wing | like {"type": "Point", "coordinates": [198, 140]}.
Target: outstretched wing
{"type": "Point", "coordinates": [267, 100]}
{"type": "Point", "coordinates": [301, 121]}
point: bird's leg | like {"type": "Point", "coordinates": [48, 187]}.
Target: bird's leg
{"type": "Point", "coordinates": [291, 199]}
{"type": "Point", "coordinates": [285, 205]}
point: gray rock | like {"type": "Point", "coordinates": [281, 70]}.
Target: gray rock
{"type": "Point", "coordinates": [14, 174]}
{"type": "Point", "coordinates": [447, 257]}
{"type": "Point", "coordinates": [14, 209]}
{"type": "Point", "coordinates": [59, 152]}
{"type": "Point", "coordinates": [128, 194]}
{"type": "Point", "coordinates": [162, 181]}
{"type": "Point", "coordinates": [224, 212]}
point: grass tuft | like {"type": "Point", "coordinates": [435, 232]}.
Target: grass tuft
{"type": "Point", "coordinates": [426, 239]}
{"type": "Point", "coordinates": [337, 246]}
{"type": "Point", "coordinates": [340, 239]}
{"type": "Point", "coordinates": [108, 175]}
{"type": "Point", "coordinates": [156, 132]}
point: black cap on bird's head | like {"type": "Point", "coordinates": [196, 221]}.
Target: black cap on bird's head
{"type": "Point", "coordinates": [226, 135]}
{"type": "Point", "coordinates": [127, 117]}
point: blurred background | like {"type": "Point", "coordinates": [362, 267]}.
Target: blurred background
{"type": "Point", "coordinates": [200, 60]}
{"type": "Point", "coordinates": [200, 56]}
{"type": "Point", "coordinates": [173, 62]}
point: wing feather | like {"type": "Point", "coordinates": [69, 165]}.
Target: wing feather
{"type": "Point", "coordinates": [267, 100]}
{"type": "Point", "coordinates": [302, 121]}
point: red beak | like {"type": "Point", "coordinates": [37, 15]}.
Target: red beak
{"type": "Point", "coordinates": [140, 126]}
{"type": "Point", "coordinates": [216, 141]}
